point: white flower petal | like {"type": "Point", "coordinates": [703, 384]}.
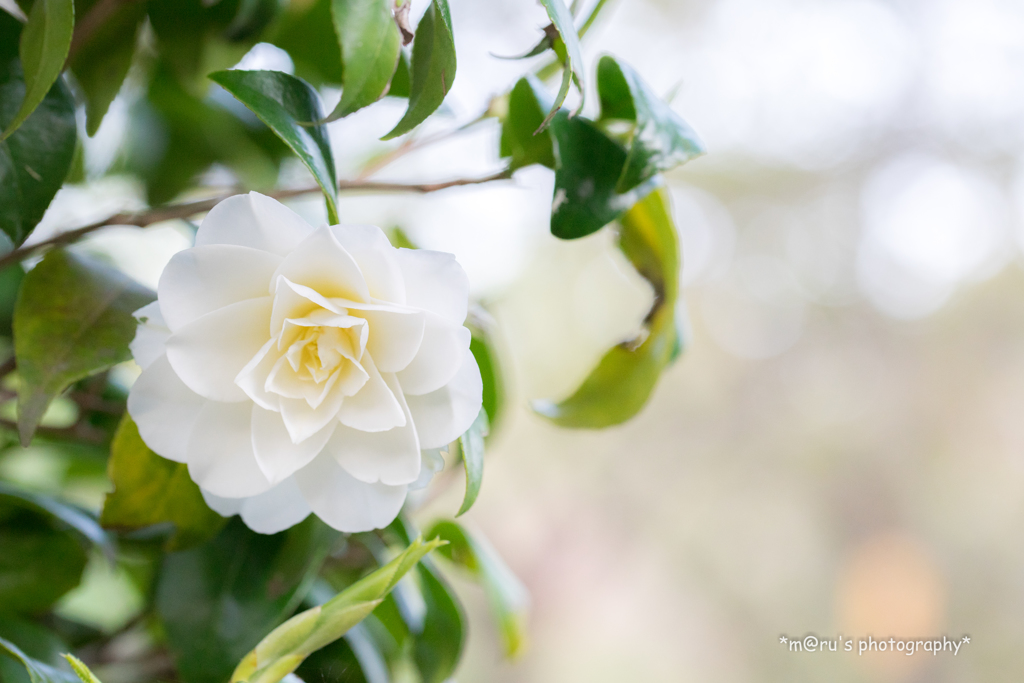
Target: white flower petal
{"type": "Point", "coordinates": [372, 251]}
{"type": "Point", "coordinates": [439, 357]}
{"type": "Point", "coordinates": [253, 220]}
{"type": "Point", "coordinates": [225, 507]}
{"type": "Point", "coordinates": [433, 462]}
{"type": "Point", "coordinates": [220, 455]}
{"type": "Point", "coordinates": [252, 379]}
{"type": "Point", "coordinates": [344, 502]}
{"type": "Point", "coordinates": [302, 421]}
{"type": "Point", "coordinates": [323, 265]}
{"type": "Point", "coordinates": [395, 334]}
{"type": "Point", "coordinates": [164, 409]}
{"type": "Point", "coordinates": [444, 415]}
{"type": "Point", "coordinates": [391, 457]}
{"type": "Point", "coordinates": [278, 509]}
{"type": "Point", "coordinates": [435, 281]}
{"type": "Point", "coordinates": [375, 408]}
{"type": "Point", "coordinates": [150, 336]}
{"type": "Point", "coordinates": [276, 454]}
{"type": "Point", "coordinates": [210, 351]}
{"type": "Point", "coordinates": [202, 279]}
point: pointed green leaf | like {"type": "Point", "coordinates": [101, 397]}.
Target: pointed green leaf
{"type": "Point", "coordinates": [472, 443]}
{"type": "Point", "coordinates": [506, 594]}
{"type": "Point", "coordinates": [623, 381]}
{"type": "Point", "coordinates": [589, 166]}
{"type": "Point", "coordinates": [44, 47]}
{"type": "Point", "coordinates": [101, 64]}
{"type": "Point", "coordinates": [73, 318]}
{"type": "Point", "coordinates": [286, 103]}
{"type": "Point", "coordinates": [400, 86]}
{"type": "Point", "coordinates": [40, 560]}
{"type": "Point", "coordinates": [37, 671]}
{"type": "Point", "coordinates": [482, 345]}
{"type": "Point", "coordinates": [661, 140]}
{"type": "Point", "coordinates": [520, 139]}
{"type": "Point", "coordinates": [151, 490]}
{"type": "Point", "coordinates": [305, 31]}
{"type": "Point", "coordinates": [35, 159]}
{"type": "Point", "coordinates": [81, 669]}
{"type": "Point", "coordinates": [438, 647]}
{"type": "Point", "coordinates": [573, 66]}
{"type": "Point", "coordinates": [74, 517]}
{"type": "Point", "coordinates": [370, 45]}
{"type": "Point", "coordinates": [433, 67]}
{"type": "Point", "coordinates": [284, 649]}
{"type": "Point", "coordinates": [217, 600]}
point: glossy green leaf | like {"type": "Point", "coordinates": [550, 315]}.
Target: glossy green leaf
{"type": "Point", "coordinates": [400, 85]}
{"type": "Point", "coordinates": [73, 318]}
{"type": "Point", "coordinates": [505, 593]}
{"type": "Point", "coordinates": [251, 18]}
{"type": "Point", "coordinates": [38, 672]}
{"type": "Point", "coordinates": [284, 103]}
{"type": "Point", "coordinates": [661, 140]}
{"type": "Point", "coordinates": [39, 562]}
{"type": "Point", "coordinates": [527, 103]}
{"type": "Point", "coordinates": [74, 517]}
{"type": "Point", "coordinates": [173, 137]}
{"type": "Point", "coordinates": [216, 601]}
{"type": "Point", "coordinates": [370, 46]}
{"type": "Point", "coordinates": [619, 387]}
{"type": "Point", "coordinates": [34, 640]}
{"type": "Point", "coordinates": [101, 64]}
{"type": "Point", "coordinates": [306, 32]}
{"type": "Point", "coordinates": [438, 647]}
{"type": "Point", "coordinates": [81, 670]}
{"type": "Point", "coordinates": [589, 166]}
{"type": "Point", "coordinates": [35, 159]}
{"type": "Point", "coordinates": [483, 349]}
{"type": "Point", "coordinates": [44, 46]}
{"type": "Point", "coordinates": [573, 65]}
{"type": "Point", "coordinates": [472, 445]}
{"type": "Point", "coordinates": [433, 67]}
{"type": "Point", "coordinates": [284, 649]}
{"type": "Point", "coordinates": [152, 490]}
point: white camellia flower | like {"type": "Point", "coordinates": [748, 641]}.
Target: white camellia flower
{"type": "Point", "coordinates": [297, 369]}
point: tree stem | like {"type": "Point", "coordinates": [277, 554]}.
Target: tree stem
{"type": "Point", "coordinates": [184, 210]}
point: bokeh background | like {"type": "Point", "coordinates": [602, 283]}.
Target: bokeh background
{"type": "Point", "coordinates": [840, 451]}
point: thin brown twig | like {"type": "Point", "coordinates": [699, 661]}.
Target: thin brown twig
{"type": "Point", "coordinates": [414, 145]}
{"type": "Point", "coordinates": [175, 211]}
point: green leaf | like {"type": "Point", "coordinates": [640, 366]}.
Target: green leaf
{"type": "Point", "coordinates": [400, 85]}
{"type": "Point", "coordinates": [661, 139]}
{"type": "Point", "coordinates": [151, 490]}
{"type": "Point", "coordinates": [251, 18]}
{"type": "Point", "coordinates": [284, 103]}
{"type": "Point", "coordinates": [73, 318]}
{"type": "Point", "coordinates": [505, 593]}
{"type": "Point", "coordinates": [306, 32]}
{"type": "Point", "coordinates": [39, 562]}
{"type": "Point", "coordinates": [10, 283]}
{"type": "Point", "coordinates": [433, 67]}
{"type": "Point", "coordinates": [34, 640]}
{"type": "Point", "coordinates": [44, 47]}
{"type": "Point", "coordinates": [284, 649]}
{"type": "Point", "coordinates": [101, 64]}
{"type": "Point", "coordinates": [370, 46]}
{"type": "Point", "coordinates": [520, 138]}
{"type": "Point", "coordinates": [74, 517]}
{"type": "Point", "coordinates": [573, 66]}
{"type": "Point", "coordinates": [216, 601]}
{"type": "Point", "coordinates": [37, 671]}
{"type": "Point", "coordinates": [81, 669]}
{"type": "Point", "coordinates": [482, 347]}
{"type": "Point", "coordinates": [35, 159]}
{"type": "Point", "coordinates": [623, 381]}
{"type": "Point", "coordinates": [472, 443]}
{"type": "Point", "coordinates": [589, 166]}
{"type": "Point", "coordinates": [438, 647]}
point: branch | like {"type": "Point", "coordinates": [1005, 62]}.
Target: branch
{"type": "Point", "coordinates": [175, 211]}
